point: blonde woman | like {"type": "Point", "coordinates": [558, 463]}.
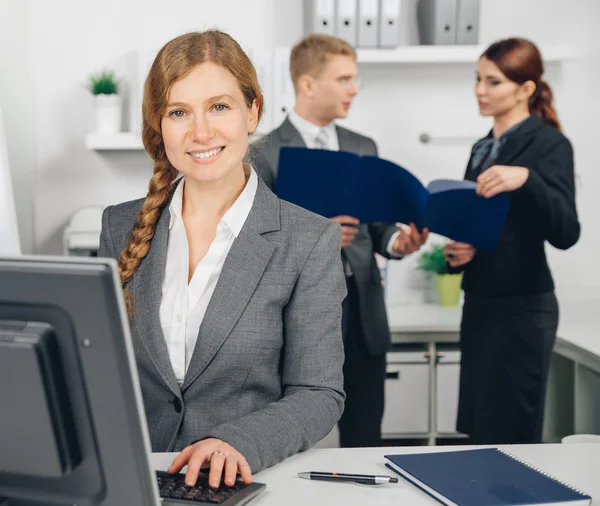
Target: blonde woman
{"type": "Point", "coordinates": [234, 296]}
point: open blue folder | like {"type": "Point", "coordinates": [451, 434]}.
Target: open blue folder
{"type": "Point", "coordinates": [331, 183]}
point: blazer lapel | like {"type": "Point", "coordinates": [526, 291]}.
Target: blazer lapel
{"type": "Point", "coordinates": [345, 141]}
{"type": "Point", "coordinates": [289, 136]}
{"type": "Point", "coordinates": [519, 140]}
{"type": "Point", "coordinates": [516, 142]}
{"type": "Point", "coordinates": [147, 295]}
{"type": "Point", "coordinates": [244, 266]}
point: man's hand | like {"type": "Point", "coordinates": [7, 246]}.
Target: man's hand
{"type": "Point", "coordinates": [409, 240]}
{"type": "Point", "coordinates": [219, 455]}
{"type": "Point", "coordinates": [349, 228]}
{"type": "Point", "coordinates": [458, 253]}
{"type": "Point", "coordinates": [499, 179]}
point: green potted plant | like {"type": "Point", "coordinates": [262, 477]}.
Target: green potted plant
{"type": "Point", "coordinates": [107, 102]}
{"type": "Point", "coordinates": [448, 285]}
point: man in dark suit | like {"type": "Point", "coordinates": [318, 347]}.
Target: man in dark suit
{"type": "Point", "coordinates": [324, 74]}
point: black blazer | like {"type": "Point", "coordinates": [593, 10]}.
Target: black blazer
{"type": "Point", "coordinates": [543, 209]}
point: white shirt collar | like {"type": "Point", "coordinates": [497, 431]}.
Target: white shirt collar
{"type": "Point", "coordinates": [308, 129]}
{"type": "Point", "coordinates": [236, 215]}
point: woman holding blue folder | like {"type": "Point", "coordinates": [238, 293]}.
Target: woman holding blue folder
{"type": "Point", "coordinates": [510, 314]}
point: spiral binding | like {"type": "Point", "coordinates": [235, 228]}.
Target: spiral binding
{"type": "Point", "coordinates": [538, 470]}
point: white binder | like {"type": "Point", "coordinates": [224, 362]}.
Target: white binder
{"type": "Point", "coordinates": [437, 21]}
{"type": "Point", "coordinates": [368, 23]}
{"type": "Point", "coordinates": [389, 23]}
{"type": "Point", "coordinates": [345, 21]}
{"type": "Point", "coordinates": [467, 22]}
{"type": "Point", "coordinates": [319, 16]}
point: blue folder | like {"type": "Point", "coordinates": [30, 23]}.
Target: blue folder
{"type": "Point", "coordinates": [332, 183]}
{"type": "Point", "coordinates": [483, 477]}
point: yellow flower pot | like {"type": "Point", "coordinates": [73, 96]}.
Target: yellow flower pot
{"type": "Point", "coordinates": [448, 287]}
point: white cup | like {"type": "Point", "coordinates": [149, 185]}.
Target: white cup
{"type": "Point", "coordinates": [581, 438]}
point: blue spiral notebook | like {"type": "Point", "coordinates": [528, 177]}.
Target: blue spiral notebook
{"type": "Point", "coordinates": [483, 477]}
{"type": "Point", "coordinates": [332, 183]}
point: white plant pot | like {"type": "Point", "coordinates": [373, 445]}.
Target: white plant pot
{"type": "Point", "coordinates": [108, 114]}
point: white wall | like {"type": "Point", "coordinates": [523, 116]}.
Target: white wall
{"type": "Point", "coordinates": [70, 40]}
{"type": "Point", "coordinates": [52, 48]}
{"type": "Point", "coordinates": [17, 100]}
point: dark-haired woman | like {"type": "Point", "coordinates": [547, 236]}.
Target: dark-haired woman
{"type": "Point", "coordinates": [510, 314]}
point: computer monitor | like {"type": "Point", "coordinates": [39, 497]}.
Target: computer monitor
{"type": "Point", "coordinates": [72, 424]}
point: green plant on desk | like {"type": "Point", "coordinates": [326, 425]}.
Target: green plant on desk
{"type": "Point", "coordinates": [448, 285]}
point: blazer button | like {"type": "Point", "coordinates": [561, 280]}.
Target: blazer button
{"type": "Point", "coordinates": [177, 405]}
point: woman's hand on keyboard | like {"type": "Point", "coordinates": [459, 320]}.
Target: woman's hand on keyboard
{"type": "Point", "coordinates": [223, 459]}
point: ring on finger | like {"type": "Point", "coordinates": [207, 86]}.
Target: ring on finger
{"type": "Point", "coordinates": [219, 452]}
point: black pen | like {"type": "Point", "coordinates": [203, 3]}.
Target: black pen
{"type": "Point", "coordinates": [365, 479]}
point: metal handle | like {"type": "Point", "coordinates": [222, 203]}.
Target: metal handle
{"type": "Point", "coordinates": [426, 138]}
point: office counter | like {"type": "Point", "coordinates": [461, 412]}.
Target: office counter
{"type": "Point", "coordinates": [424, 351]}
{"type": "Point", "coordinates": [578, 329]}
{"type": "Point", "coordinates": [579, 332]}
{"type": "Point", "coordinates": [576, 464]}
{"type": "Point", "coordinates": [573, 401]}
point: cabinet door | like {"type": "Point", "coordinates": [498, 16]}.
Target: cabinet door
{"type": "Point", "coordinates": [406, 395]}
{"type": "Point", "coordinates": [448, 372]}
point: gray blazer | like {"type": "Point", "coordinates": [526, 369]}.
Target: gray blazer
{"type": "Point", "coordinates": [371, 238]}
{"type": "Point", "coordinates": [266, 372]}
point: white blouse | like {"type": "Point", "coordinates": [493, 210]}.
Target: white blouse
{"type": "Point", "coordinates": [184, 305]}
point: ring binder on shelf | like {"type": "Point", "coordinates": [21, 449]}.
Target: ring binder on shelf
{"type": "Point", "coordinates": [368, 23]}
{"type": "Point", "coordinates": [389, 23]}
{"type": "Point", "coordinates": [467, 22]}
{"type": "Point", "coordinates": [345, 21]}
{"type": "Point", "coordinates": [319, 16]}
{"type": "Point", "coordinates": [437, 21]}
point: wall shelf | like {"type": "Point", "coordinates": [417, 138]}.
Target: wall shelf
{"type": "Point", "coordinates": [128, 141]}
{"type": "Point", "coordinates": [117, 142]}
{"type": "Point", "coordinates": [450, 54]}
{"type": "Point", "coordinates": [415, 54]}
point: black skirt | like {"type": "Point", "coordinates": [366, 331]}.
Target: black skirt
{"type": "Point", "coordinates": [506, 345]}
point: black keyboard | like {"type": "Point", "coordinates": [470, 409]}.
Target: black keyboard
{"type": "Point", "coordinates": [174, 491]}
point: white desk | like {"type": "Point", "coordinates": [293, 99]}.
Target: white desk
{"type": "Point", "coordinates": [576, 464]}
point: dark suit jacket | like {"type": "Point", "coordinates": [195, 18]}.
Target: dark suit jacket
{"type": "Point", "coordinates": [266, 372]}
{"type": "Point", "coordinates": [542, 210]}
{"type": "Point", "coordinates": [371, 238]}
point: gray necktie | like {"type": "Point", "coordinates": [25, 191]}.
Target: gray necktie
{"type": "Point", "coordinates": [321, 140]}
